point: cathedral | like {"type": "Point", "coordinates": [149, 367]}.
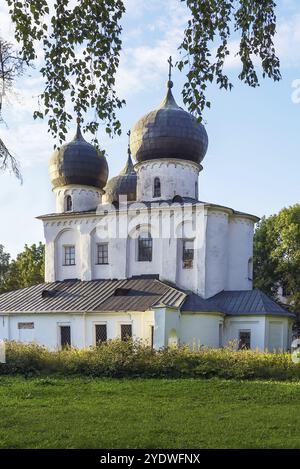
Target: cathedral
{"type": "Point", "coordinates": [140, 255]}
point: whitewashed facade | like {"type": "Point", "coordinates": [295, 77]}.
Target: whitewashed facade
{"type": "Point", "coordinates": [199, 248]}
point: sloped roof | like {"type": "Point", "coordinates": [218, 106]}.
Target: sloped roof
{"type": "Point", "coordinates": [195, 303]}
{"type": "Point", "coordinates": [245, 302]}
{"type": "Point", "coordinates": [135, 294]}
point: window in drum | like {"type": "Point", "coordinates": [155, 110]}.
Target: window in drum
{"type": "Point", "coordinates": [157, 187]}
{"type": "Point", "coordinates": [69, 203]}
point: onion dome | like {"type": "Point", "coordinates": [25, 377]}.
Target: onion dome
{"type": "Point", "coordinates": [123, 184]}
{"type": "Point", "coordinates": [168, 132]}
{"type": "Point", "coordinates": [78, 162]}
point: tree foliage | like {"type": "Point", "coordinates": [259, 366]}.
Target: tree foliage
{"type": "Point", "coordinates": [277, 254]}
{"type": "Point", "coordinates": [4, 265]}
{"type": "Point", "coordinates": [81, 44]}
{"type": "Point", "coordinates": [26, 270]}
{"type": "Point", "coordinates": [81, 47]}
{"type": "Point", "coordinates": [206, 45]}
{"type": "Point", "coordinates": [11, 66]}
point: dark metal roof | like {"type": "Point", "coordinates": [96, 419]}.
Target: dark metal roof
{"type": "Point", "coordinates": [195, 303]}
{"type": "Point", "coordinates": [168, 132]}
{"type": "Point", "coordinates": [135, 294]}
{"type": "Point", "coordinates": [248, 302]}
{"type": "Point", "coordinates": [95, 295]}
{"type": "Point", "coordinates": [78, 162]}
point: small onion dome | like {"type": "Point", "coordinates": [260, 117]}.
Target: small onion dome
{"type": "Point", "coordinates": [78, 162]}
{"type": "Point", "coordinates": [168, 132]}
{"type": "Point", "coordinates": [123, 184]}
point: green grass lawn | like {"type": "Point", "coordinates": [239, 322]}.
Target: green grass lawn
{"type": "Point", "coordinates": [111, 413]}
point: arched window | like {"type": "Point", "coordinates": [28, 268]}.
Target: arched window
{"type": "Point", "coordinates": [145, 247]}
{"type": "Point", "coordinates": [157, 189]}
{"type": "Point", "coordinates": [69, 204]}
{"type": "Point", "coordinates": [250, 269]}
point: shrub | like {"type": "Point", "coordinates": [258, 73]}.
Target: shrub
{"type": "Point", "coordinates": [133, 359]}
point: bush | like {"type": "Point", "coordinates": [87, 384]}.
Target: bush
{"type": "Point", "coordinates": [119, 359]}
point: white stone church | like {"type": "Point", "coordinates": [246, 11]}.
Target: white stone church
{"type": "Point", "coordinates": [140, 255]}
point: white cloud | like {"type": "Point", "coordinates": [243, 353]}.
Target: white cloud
{"type": "Point", "coordinates": [145, 64]}
{"type": "Point", "coordinates": [288, 41]}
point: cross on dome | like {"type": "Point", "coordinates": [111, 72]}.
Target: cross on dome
{"type": "Point", "coordinates": [170, 83]}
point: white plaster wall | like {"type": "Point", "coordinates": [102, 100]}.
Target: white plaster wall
{"type": "Point", "coordinates": [136, 267]}
{"type": "Point", "coordinates": [83, 198]}
{"type": "Point", "coordinates": [191, 278]}
{"type": "Point", "coordinates": [256, 324]}
{"type": "Point", "coordinates": [285, 327]}
{"type": "Point", "coordinates": [240, 251]}
{"type": "Point", "coordinates": [46, 327]}
{"type": "Point", "coordinates": [222, 246]}
{"type": "Point", "coordinates": [177, 177]}
{"type": "Point", "coordinates": [216, 263]}
{"type": "Point", "coordinates": [167, 329]}
{"type": "Point", "coordinates": [67, 237]}
{"type": "Point", "coordinates": [200, 329]}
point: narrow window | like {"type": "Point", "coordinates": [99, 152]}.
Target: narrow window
{"type": "Point", "coordinates": [126, 331]}
{"type": "Point", "coordinates": [101, 333]}
{"type": "Point", "coordinates": [157, 190]}
{"type": "Point", "coordinates": [69, 258]}
{"type": "Point", "coordinates": [250, 269]}
{"type": "Point", "coordinates": [102, 253]}
{"type": "Point", "coordinates": [65, 336]}
{"type": "Point", "coordinates": [220, 335]}
{"type": "Point", "coordinates": [69, 204]}
{"type": "Point", "coordinates": [244, 340]}
{"type": "Point", "coordinates": [145, 247]}
{"type": "Point", "coordinates": [196, 190]}
{"type": "Point", "coordinates": [152, 336]}
{"type": "Point", "coordinates": [188, 253]}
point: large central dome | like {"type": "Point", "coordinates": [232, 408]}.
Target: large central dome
{"type": "Point", "coordinates": [168, 132]}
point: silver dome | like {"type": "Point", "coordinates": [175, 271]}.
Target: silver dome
{"type": "Point", "coordinates": [78, 162]}
{"type": "Point", "coordinates": [123, 184]}
{"type": "Point", "coordinates": [168, 132]}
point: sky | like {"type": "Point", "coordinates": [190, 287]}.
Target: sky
{"type": "Point", "coordinates": [252, 163]}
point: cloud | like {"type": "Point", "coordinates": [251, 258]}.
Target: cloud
{"type": "Point", "coordinates": [288, 42]}
{"type": "Point", "coordinates": [144, 64]}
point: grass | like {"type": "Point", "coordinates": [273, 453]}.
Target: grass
{"type": "Point", "coordinates": [81, 412]}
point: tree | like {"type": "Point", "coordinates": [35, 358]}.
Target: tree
{"type": "Point", "coordinates": [277, 254]}
{"type": "Point", "coordinates": [82, 43]}
{"type": "Point", "coordinates": [27, 269]}
{"type": "Point", "coordinates": [11, 66]}
{"type": "Point", "coordinates": [4, 265]}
